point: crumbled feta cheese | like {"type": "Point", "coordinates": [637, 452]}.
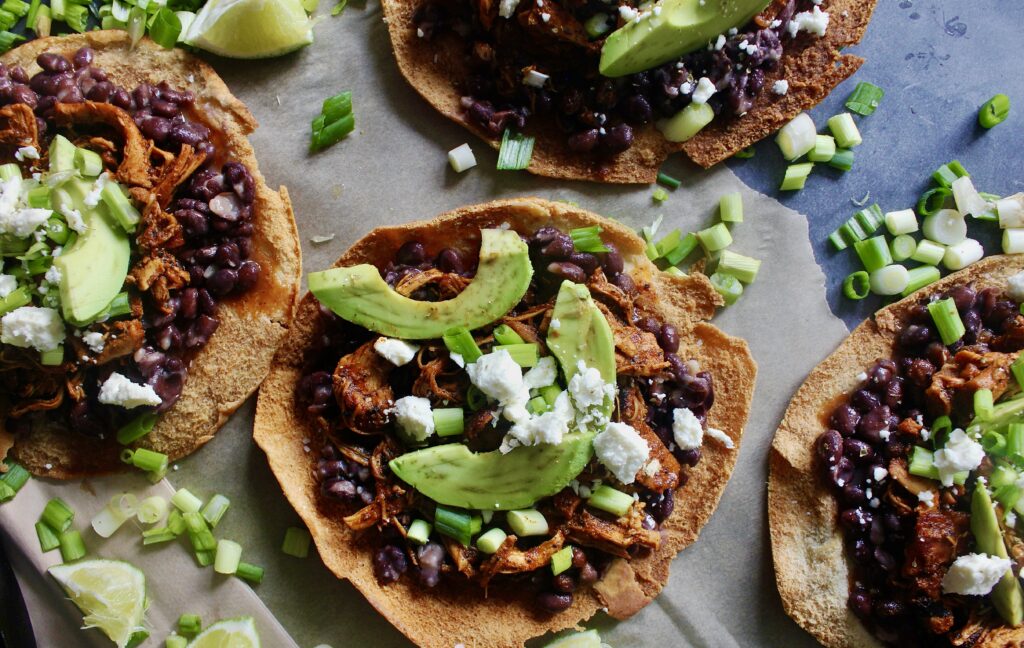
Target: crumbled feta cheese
{"type": "Point", "coordinates": [26, 153]}
{"type": "Point", "coordinates": [652, 467]}
{"type": "Point", "coordinates": [420, 33]}
{"type": "Point", "coordinates": [927, 497]}
{"type": "Point", "coordinates": [960, 453]}
{"type": "Point", "coordinates": [458, 359]}
{"type": "Point", "coordinates": [94, 340]}
{"type": "Point", "coordinates": [22, 222]}
{"type": "Point", "coordinates": [30, 326]}
{"type": "Point", "coordinates": [627, 13]}
{"type": "Point", "coordinates": [721, 437]}
{"type": "Point", "coordinates": [413, 416]}
{"type": "Point", "coordinates": [705, 88]}
{"type": "Point", "coordinates": [775, 24]}
{"type": "Point", "coordinates": [813, 22]}
{"type": "Point", "coordinates": [974, 574]}
{"type": "Point", "coordinates": [397, 352]}
{"type": "Point", "coordinates": [733, 31]}
{"type": "Point", "coordinates": [657, 10]}
{"type": "Point", "coordinates": [780, 87]}
{"type": "Point", "coordinates": [925, 434]}
{"type": "Point", "coordinates": [1011, 519]}
{"type": "Point", "coordinates": [535, 79]}
{"type": "Point", "coordinates": [589, 393]}
{"type": "Point", "coordinates": [1015, 287]}
{"type": "Point", "coordinates": [75, 221]}
{"type": "Point", "coordinates": [686, 429]}
{"type": "Point", "coordinates": [8, 284]}
{"type": "Point", "coordinates": [874, 503]}
{"type": "Point", "coordinates": [555, 324]}
{"type": "Point", "coordinates": [720, 42]}
{"type": "Point", "coordinates": [507, 7]}
{"type": "Point", "coordinates": [545, 16]}
{"type": "Point", "coordinates": [95, 194]}
{"type": "Point", "coordinates": [622, 451]}
{"type": "Point", "coordinates": [885, 434]}
{"type": "Point", "coordinates": [685, 87]}
{"type": "Point", "coordinates": [880, 473]}
{"type": "Point", "coordinates": [548, 428]}
{"type": "Point", "coordinates": [118, 390]}
{"type": "Point", "coordinates": [499, 377]}
{"type": "Point", "coordinates": [543, 374]}
{"type": "Point", "coordinates": [53, 275]}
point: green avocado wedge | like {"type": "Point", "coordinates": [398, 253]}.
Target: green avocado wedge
{"type": "Point", "coordinates": [1007, 597]}
{"type": "Point", "coordinates": [359, 294]}
{"type": "Point", "coordinates": [582, 333]}
{"type": "Point", "coordinates": [681, 26]}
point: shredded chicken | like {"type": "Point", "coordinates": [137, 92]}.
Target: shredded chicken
{"type": "Point", "coordinates": [362, 390]}
{"type": "Point", "coordinates": [159, 273]}
{"type": "Point", "coordinates": [19, 126]}
{"type": "Point", "coordinates": [937, 540]}
{"type": "Point", "coordinates": [662, 469]}
{"type": "Point", "coordinates": [122, 338]}
{"type": "Point", "coordinates": [966, 373]}
{"type": "Point", "coordinates": [637, 352]}
{"type": "Point", "coordinates": [157, 228]}
{"type": "Point", "coordinates": [464, 557]}
{"type": "Point", "coordinates": [610, 295]}
{"type": "Point", "coordinates": [447, 284]}
{"type": "Point", "coordinates": [914, 484]}
{"type": "Point", "coordinates": [440, 382]}
{"type": "Point", "coordinates": [176, 172]}
{"type": "Point", "coordinates": [510, 560]}
{"type": "Point", "coordinates": [135, 169]}
{"type": "Point", "coordinates": [613, 537]}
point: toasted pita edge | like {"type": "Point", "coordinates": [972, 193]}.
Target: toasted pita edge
{"type": "Point", "coordinates": [811, 569]}
{"type": "Point", "coordinates": [230, 368]}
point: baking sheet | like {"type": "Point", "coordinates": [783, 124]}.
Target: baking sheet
{"type": "Point", "coordinates": [394, 169]}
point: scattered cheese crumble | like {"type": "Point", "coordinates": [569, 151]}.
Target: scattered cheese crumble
{"type": "Point", "coordinates": [397, 352]}
{"type": "Point", "coordinates": [622, 451]}
{"type": "Point", "coordinates": [118, 390]}
{"type": "Point", "coordinates": [974, 574]}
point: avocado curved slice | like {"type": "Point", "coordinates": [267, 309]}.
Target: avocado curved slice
{"type": "Point", "coordinates": [583, 334]}
{"type": "Point", "coordinates": [359, 294]}
{"type": "Point", "coordinates": [1007, 596]}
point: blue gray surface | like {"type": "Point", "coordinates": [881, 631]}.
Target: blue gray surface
{"type": "Point", "coordinates": [937, 62]}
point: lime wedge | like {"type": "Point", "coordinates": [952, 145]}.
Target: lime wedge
{"type": "Point", "coordinates": [249, 29]}
{"type": "Point", "coordinates": [110, 593]}
{"type": "Point", "coordinates": [588, 639]}
{"type": "Point", "coordinates": [229, 633]}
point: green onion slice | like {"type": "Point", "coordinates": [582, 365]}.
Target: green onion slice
{"type": "Point", "coordinates": [668, 181]}
{"type": "Point", "coordinates": [857, 285]}
{"type": "Point", "coordinates": [296, 542]}
{"type": "Point", "coordinates": [57, 515]}
{"type": "Point", "coordinates": [865, 98]}
{"type": "Point", "coordinates": [516, 151]}
{"type": "Point", "coordinates": [588, 239]}
{"type": "Point", "coordinates": [72, 547]}
{"type": "Point", "coordinates": [728, 286]}
{"type": "Point", "coordinates": [994, 111]}
{"type": "Point", "coordinates": [947, 320]}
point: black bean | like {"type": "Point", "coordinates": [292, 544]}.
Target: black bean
{"type": "Point", "coordinates": [430, 558]}
{"type": "Point", "coordinates": [963, 296]}
{"type": "Point", "coordinates": [588, 262]}
{"type": "Point", "coordinates": [53, 62]}
{"type": "Point", "coordinates": [121, 99]}
{"type": "Point", "coordinates": [554, 602]}
{"type": "Point", "coordinates": [389, 563]}
{"type": "Point", "coordinates": [450, 260]}
{"type": "Point", "coordinates": [23, 94]}
{"type": "Point", "coordinates": [189, 133]}
{"type": "Point", "coordinates": [411, 253]}
{"type": "Point", "coordinates": [915, 335]}
{"type": "Point", "coordinates": [189, 303]}
{"type": "Point", "coordinates": [567, 270]}
{"type": "Point", "coordinates": [83, 57]}
{"type": "Point", "coordinates": [156, 128]}
{"type": "Point", "coordinates": [830, 447]}
{"type": "Point", "coordinates": [625, 283]}
{"type": "Point", "coordinates": [842, 472]}
{"type": "Point", "coordinates": [650, 325]}
{"type": "Point", "coordinates": [889, 608]}
{"type": "Point", "coordinates": [46, 84]}
{"type": "Point", "coordinates": [584, 141]}
{"type": "Point", "coordinates": [617, 138]}
{"type": "Point", "coordinates": [563, 583]}
{"type": "Point", "coordinates": [560, 247]}
{"type": "Point", "coordinates": [339, 489]}
{"type": "Point", "coordinates": [860, 602]}
{"type": "Point", "coordinates": [845, 419]}
{"type": "Point", "coordinates": [877, 534]}
{"type": "Point", "coordinates": [858, 451]}
{"type": "Point", "coordinates": [856, 519]}
{"type": "Point", "coordinates": [852, 494]}
{"type": "Point", "coordinates": [165, 108]}
{"type": "Point", "coordinates": [894, 393]}
{"type": "Point", "coordinates": [873, 423]}
{"type": "Point", "coordinates": [200, 332]}
{"type": "Point", "coordinates": [18, 74]}
{"type": "Point", "coordinates": [70, 95]}
{"type": "Point", "coordinates": [169, 338]}
{"type": "Point", "coordinates": [864, 400]}
{"type": "Point", "coordinates": [248, 275]}
{"type": "Point", "coordinates": [972, 326]}
{"type": "Point", "coordinates": [100, 91]}
{"type": "Point", "coordinates": [222, 281]}
{"type": "Point", "coordinates": [612, 261]}
{"type": "Point", "coordinates": [228, 255]}
{"type": "Point", "coordinates": [880, 375]}
{"type": "Point", "coordinates": [638, 110]}
{"type": "Point", "coordinates": [689, 457]}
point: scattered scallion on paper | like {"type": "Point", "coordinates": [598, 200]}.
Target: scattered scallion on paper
{"type": "Point", "coordinates": [335, 122]}
{"type": "Point", "coordinates": [865, 98]}
{"type": "Point", "coordinates": [516, 151]}
{"type": "Point", "coordinates": [994, 111]}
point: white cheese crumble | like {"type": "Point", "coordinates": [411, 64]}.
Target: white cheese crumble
{"type": "Point", "coordinates": [8, 284]}
{"type": "Point", "coordinates": [118, 390]}
{"type": "Point", "coordinates": [413, 416]}
{"type": "Point", "coordinates": [960, 453]}
{"type": "Point", "coordinates": [545, 16]}
{"type": "Point", "coordinates": [543, 374]}
{"type": "Point", "coordinates": [30, 326]}
{"type": "Point", "coordinates": [880, 473]}
{"type": "Point", "coordinates": [507, 7]}
{"type": "Point", "coordinates": [686, 429]}
{"type": "Point", "coordinates": [75, 221]}
{"type": "Point", "coordinates": [94, 340]}
{"type": "Point", "coordinates": [705, 88]}
{"type": "Point", "coordinates": [555, 324]}
{"type": "Point", "coordinates": [813, 22]}
{"type": "Point", "coordinates": [780, 87]}
{"type": "Point", "coordinates": [685, 88]}
{"type": "Point", "coordinates": [721, 437]}
{"type": "Point", "coordinates": [548, 428]}
{"type": "Point", "coordinates": [53, 275]}
{"type": "Point", "coordinates": [974, 574]}
{"type": "Point", "coordinates": [535, 79]}
{"type": "Point", "coordinates": [627, 13]}
{"type": "Point", "coordinates": [1015, 287]}
{"type": "Point", "coordinates": [1011, 519]}
{"type": "Point", "coordinates": [93, 197]}
{"type": "Point", "coordinates": [589, 392]}
{"type": "Point", "coordinates": [927, 497]}
{"type": "Point", "coordinates": [622, 451]}
{"type": "Point", "coordinates": [720, 42]}
{"type": "Point", "coordinates": [458, 359]}
{"type": "Point", "coordinates": [499, 377]}
{"type": "Point", "coordinates": [397, 352]}
{"type": "Point", "coordinates": [22, 222]}
{"type": "Point", "coordinates": [26, 153]}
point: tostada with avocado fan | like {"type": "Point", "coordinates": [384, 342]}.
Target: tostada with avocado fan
{"type": "Point", "coordinates": [897, 474]}
{"type": "Point", "coordinates": [148, 271]}
{"type": "Point", "coordinates": [610, 89]}
{"type": "Point", "coordinates": [496, 422]}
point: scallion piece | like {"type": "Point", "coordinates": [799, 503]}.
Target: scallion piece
{"type": "Point", "coordinates": [504, 334]}
{"type": "Point", "coordinates": [152, 510]}
{"type": "Point", "coordinates": [537, 405]}
{"type": "Point", "coordinates": [19, 297]}
{"type": "Point", "coordinates": [71, 545]}
{"type": "Point", "coordinates": [941, 427]}
{"type": "Point", "coordinates": [48, 540]}
{"type": "Point", "coordinates": [185, 501]}
{"type": "Point", "coordinates": [796, 176]}
{"type": "Point", "coordinates": [870, 218]}
{"type": "Point", "coordinates": [333, 133]}
{"type": "Point", "coordinates": [668, 242]}
{"type": "Point", "coordinates": [516, 151]}
{"type": "Point", "coordinates": [525, 355]}
{"type": "Point", "coordinates": [16, 476]}
{"type": "Point", "coordinates": [336, 107]}
{"type": "Point", "coordinates": [745, 154]}
{"type": "Point", "coordinates": [797, 137]}
{"type": "Point", "coordinates": [844, 129]}
{"type": "Point", "coordinates": [611, 500]}
{"type": "Point", "coordinates": [994, 111]}
{"type": "Point", "coordinates": [857, 285]}
{"type": "Point", "coordinates": [202, 540]}
{"type": "Point", "coordinates": [683, 249]}
{"type": "Point", "coordinates": [947, 174]}
{"type": "Point", "coordinates": [33, 10]}
{"type": "Point", "coordinates": [1017, 368]}
{"type": "Point", "coordinates": [928, 252]}
{"type": "Point", "coordinates": [890, 280]}
{"type": "Point", "coordinates": [1002, 475]}
{"type": "Point", "coordinates": [6, 493]}
{"type": "Point", "coordinates": [204, 558]}
{"type": "Point", "coordinates": [137, 428]}
{"type": "Point", "coordinates": [561, 560]}
{"type": "Point", "coordinates": [983, 404]}
{"type": "Point", "coordinates": [919, 277]}
{"type": "Point", "coordinates": [491, 541]}
{"type": "Point", "coordinates": [9, 39]}
{"type": "Point", "coordinates": [89, 163]}
{"type": "Point", "coordinates": [933, 200]}
{"type": "Point", "coordinates": [419, 531]}
{"type": "Point", "coordinates": [742, 267]}
{"type": "Point", "coordinates": [229, 554]}
{"type": "Point", "coordinates": [922, 463]}
{"type": "Point", "coordinates": [588, 239]}
{"type": "Point", "coordinates": [176, 522]}
{"type": "Point", "coordinates": [527, 522]}
{"type": "Point", "coordinates": [730, 207]}
{"type": "Point", "coordinates": [865, 98]}
{"type": "Point", "coordinates": [43, 22]}
{"type": "Point", "coordinates": [164, 28]}
{"type": "Point", "coordinates": [157, 536]}
{"type": "Point", "coordinates": [189, 625]}
{"type": "Point", "coordinates": [550, 393]}
{"type": "Point", "coordinates": [901, 222]}
{"type": "Point", "coordinates": [108, 521]}
{"type": "Point", "coordinates": [660, 195]}
{"type": "Point", "coordinates": [824, 149]}
{"type": "Point", "coordinates": [449, 421]}
{"type": "Point", "coordinates": [296, 542]}
{"type": "Point", "coordinates": [993, 443]}
{"type": "Point", "coordinates": [668, 181]}
{"type": "Point", "coordinates": [715, 238]}
{"type": "Point", "coordinates": [728, 286]}
{"type": "Point", "coordinates": [460, 341]}
{"type": "Point", "coordinates": [873, 253]}
{"type": "Point", "coordinates": [947, 320]}
{"type": "Point", "coordinates": [120, 206]}
{"type": "Point", "coordinates": [1007, 496]}
{"type": "Point", "coordinates": [475, 398]}
{"type": "Point", "coordinates": [454, 524]}
{"type": "Point", "coordinates": [149, 461]}
{"type": "Point", "coordinates": [251, 573]}
{"type": "Point", "coordinates": [1015, 441]}
{"type": "Point", "coordinates": [57, 515]}
{"type": "Point", "coordinates": [842, 160]}
{"type": "Point", "coordinates": [215, 509]}
{"type": "Point", "coordinates": [1013, 241]}
{"type": "Point", "coordinates": [17, 7]}
{"type": "Point", "coordinates": [837, 240]}
{"type": "Point", "coordinates": [902, 247]}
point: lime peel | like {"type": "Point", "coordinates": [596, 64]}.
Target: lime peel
{"type": "Point", "coordinates": [110, 593]}
{"type": "Point", "coordinates": [239, 632]}
{"type": "Point", "coordinates": [249, 29]}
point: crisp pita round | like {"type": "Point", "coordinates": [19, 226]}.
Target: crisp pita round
{"type": "Point", "coordinates": [230, 368]}
{"type": "Point", "coordinates": [807, 545]}
{"type": "Point", "coordinates": [813, 66]}
{"type": "Point", "coordinates": [452, 614]}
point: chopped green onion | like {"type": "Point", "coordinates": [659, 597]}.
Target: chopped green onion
{"type": "Point", "coordinates": [57, 515]}
{"type": "Point", "coordinates": [983, 404]}
{"type": "Point", "coordinates": [588, 239]}
{"type": "Point", "coordinates": [48, 540]}
{"type": "Point", "coordinates": [39, 198]}
{"type": "Point", "coordinates": [136, 23]}
{"type": "Point", "coordinates": [745, 154]}
{"type": "Point", "coordinates": [491, 541]}
{"type": "Point", "coordinates": [994, 111]}
{"type": "Point", "coordinates": [873, 253]}
{"type": "Point", "coordinates": [202, 540]}
{"type": "Point", "coordinates": [561, 560]}
{"type": "Point", "coordinates": [947, 174]}
{"type": "Point", "coordinates": [527, 522]}
{"type": "Point", "coordinates": [668, 242]}
{"type": "Point", "coordinates": [333, 132]}
{"type": "Point", "coordinates": [901, 222]}
{"type": "Point", "coordinates": [1013, 240]}
{"type": "Point", "coordinates": [550, 393]}
{"type": "Point", "coordinates": [516, 151]}
{"type": "Point", "coordinates": [449, 421]}
{"type": "Point", "coordinates": [865, 98]}
{"type": "Point", "coordinates": [152, 509]}
{"type": "Point", "coordinates": [9, 39]}
{"type": "Point", "coordinates": [1003, 475]}
{"type": "Point", "coordinates": [844, 130]}
{"type": "Point", "coordinates": [71, 545]}
{"type": "Point", "coordinates": [165, 28]}
{"type": "Point", "coordinates": [870, 218]}
{"type": "Point", "coordinates": [1015, 440]}
{"type": "Point", "coordinates": [419, 531]}
{"type": "Point", "coordinates": [460, 341]}
{"type": "Point", "coordinates": [185, 501]}
{"type": "Point", "coordinates": [1007, 495]}
{"type": "Point", "coordinates": [903, 247]}
{"type": "Point", "coordinates": [43, 22]}
{"type": "Point", "coordinates": [537, 405]}
{"type": "Point", "coordinates": [660, 195]}
{"type": "Point", "coordinates": [947, 320]}
{"type": "Point", "coordinates": [248, 572]}
{"type": "Point", "coordinates": [728, 286]}
{"type": "Point", "coordinates": [668, 181]}
{"type": "Point", "coordinates": [89, 163]}
{"type": "Point", "coordinates": [149, 461]}
{"type": "Point", "coordinates": [205, 558]}
{"type": "Point", "coordinates": [33, 10]}
{"type": "Point", "coordinates": [687, 122]}
{"type": "Point", "coordinates": [120, 207]}
{"type": "Point", "coordinates": [837, 240]}
{"type": "Point", "coordinates": [229, 554]}
{"type": "Point", "coordinates": [189, 625]}
{"type": "Point", "coordinates": [611, 500]}
{"type": "Point", "coordinates": [683, 249]}
{"type": "Point", "coordinates": [928, 252]}
{"type": "Point", "coordinates": [993, 443]}
{"type": "Point", "coordinates": [16, 476]}
{"type": "Point", "coordinates": [296, 542]}
{"type": "Point", "coordinates": [922, 463]}
{"type": "Point", "coordinates": [857, 285]}
{"type": "Point", "coordinates": [339, 7]}
{"type": "Point", "coordinates": [215, 509]}
{"type": "Point", "coordinates": [1017, 368]}
{"type": "Point", "coordinates": [157, 535]}
{"type": "Point", "coordinates": [962, 254]}
{"type": "Point", "coordinates": [889, 280]}
{"type": "Point", "coordinates": [842, 160]}
{"type": "Point", "coordinates": [17, 7]}
{"type": "Point", "coordinates": [715, 238]}
{"type": "Point", "coordinates": [454, 524]}
{"type": "Point", "coordinates": [597, 25]}
{"type": "Point", "coordinates": [796, 176]}
{"type": "Point", "coordinates": [933, 200]}
{"type": "Point", "coordinates": [797, 137]}
{"type": "Point", "coordinates": [824, 149]}
{"type": "Point", "coordinates": [919, 277]}
{"type": "Point", "coordinates": [137, 428]}
{"type": "Point", "coordinates": [6, 493]}
{"type": "Point", "coordinates": [475, 398]}
{"type": "Point", "coordinates": [730, 206]}
{"type": "Point", "coordinates": [742, 267]}
{"type": "Point", "coordinates": [505, 335]}
{"type": "Point", "coordinates": [525, 355]}
{"type": "Point", "coordinates": [336, 107]}
{"type": "Point", "coordinates": [941, 427]}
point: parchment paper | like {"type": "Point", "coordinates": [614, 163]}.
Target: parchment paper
{"type": "Point", "coordinates": [393, 169]}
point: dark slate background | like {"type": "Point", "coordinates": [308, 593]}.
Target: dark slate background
{"type": "Point", "coordinates": [937, 62]}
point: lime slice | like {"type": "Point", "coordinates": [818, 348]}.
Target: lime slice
{"type": "Point", "coordinates": [588, 639]}
{"type": "Point", "coordinates": [110, 593]}
{"type": "Point", "coordinates": [250, 29]}
{"type": "Point", "coordinates": [229, 633]}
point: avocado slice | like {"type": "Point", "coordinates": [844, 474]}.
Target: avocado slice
{"type": "Point", "coordinates": [681, 27]}
{"type": "Point", "coordinates": [1007, 597]}
{"type": "Point", "coordinates": [94, 267]}
{"type": "Point", "coordinates": [359, 294]}
{"type": "Point", "coordinates": [582, 333]}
